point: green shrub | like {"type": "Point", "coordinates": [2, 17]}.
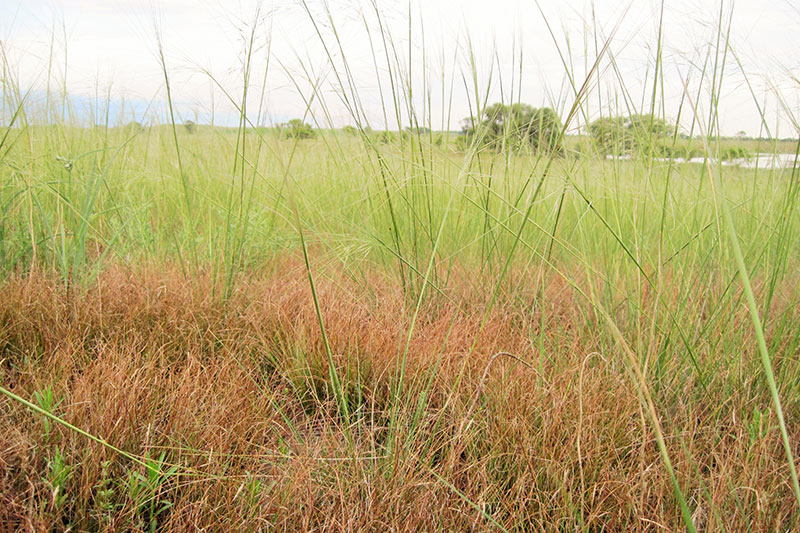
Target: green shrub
{"type": "Point", "coordinates": [514, 127]}
{"type": "Point", "coordinates": [297, 129]}
{"type": "Point", "coordinates": [735, 152]}
{"type": "Point", "coordinates": [626, 135]}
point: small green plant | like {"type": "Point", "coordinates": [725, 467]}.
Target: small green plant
{"type": "Point", "coordinates": [146, 491]}
{"type": "Point", "coordinates": [104, 496]}
{"type": "Point", "coordinates": [757, 427]}
{"type": "Point", "coordinates": [254, 489]}
{"type": "Point", "coordinates": [59, 473]}
{"type": "Point", "coordinates": [46, 399]}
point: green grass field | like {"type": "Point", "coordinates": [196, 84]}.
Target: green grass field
{"type": "Point", "coordinates": [232, 329]}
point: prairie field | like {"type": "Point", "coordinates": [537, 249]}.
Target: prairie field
{"type": "Point", "coordinates": [244, 329]}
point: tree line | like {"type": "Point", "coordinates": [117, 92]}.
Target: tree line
{"type": "Point", "coordinates": [520, 126]}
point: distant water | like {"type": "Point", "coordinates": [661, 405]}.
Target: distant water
{"type": "Point", "coordinates": [763, 161]}
{"type": "Point", "coordinates": [768, 161]}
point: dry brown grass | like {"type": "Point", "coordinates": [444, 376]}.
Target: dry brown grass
{"type": "Point", "coordinates": [237, 393]}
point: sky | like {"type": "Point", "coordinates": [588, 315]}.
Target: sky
{"type": "Point", "coordinates": [320, 60]}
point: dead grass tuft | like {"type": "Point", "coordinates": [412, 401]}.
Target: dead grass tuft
{"type": "Point", "coordinates": [236, 396]}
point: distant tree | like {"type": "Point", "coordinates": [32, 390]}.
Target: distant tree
{"type": "Point", "coordinates": [422, 130]}
{"type": "Point", "coordinates": [134, 127]}
{"type": "Point", "coordinates": [735, 152]}
{"type": "Point", "coordinates": [611, 135]}
{"type": "Point", "coordinates": [297, 129]}
{"type": "Point", "coordinates": [387, 137]}
{"type": "Point", "coordinates": [514, 126]}
{"type": "Point", "coordinates": [741, 134]}
{"type": "Point", "coordinates": [350, 130]}
{"type": "Point", "coordinates": [624, 135]}
{"type": "Point", "coordinates": [190, 126]}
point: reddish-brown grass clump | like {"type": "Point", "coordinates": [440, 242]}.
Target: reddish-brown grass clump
{"type": "Point", "coordinates": [235, 399]}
